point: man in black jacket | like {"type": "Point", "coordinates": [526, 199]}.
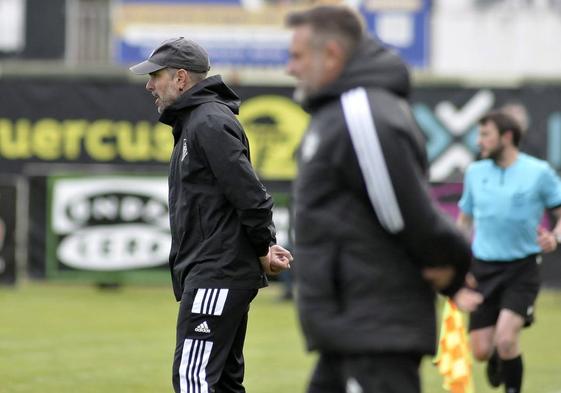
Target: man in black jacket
{"type": "Point", "coordinates": [220, 217]}
{"type": "Point", "coordinates": [370, 244]}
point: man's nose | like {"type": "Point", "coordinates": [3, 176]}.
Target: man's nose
{"type": "Point", "coordinates": [149, 85]}
{"type": "Point", "coordinates": [289, 68]}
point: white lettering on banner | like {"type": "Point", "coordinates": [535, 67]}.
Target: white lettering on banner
{"type": "Point", "coordinates": [115, 247]}
{"type": "Point", "coordinates": [79, 200]}
{"type": "Point", "coordinates": [109, 223]}
{"type": "Point", "coordinates": [116, 208]}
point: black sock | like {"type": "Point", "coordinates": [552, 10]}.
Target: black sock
{"type": "Point", "coordinates": [512, 374]}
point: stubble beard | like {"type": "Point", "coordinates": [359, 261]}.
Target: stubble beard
{"type": "Point", "coordinates": [303, 91]}
{"type": "Point", "coordinates": [165, 102]}
{"type": "Point", "coordinates": [497, 154]}
{"type": "Point", "coordinates": [161, 105]}
{"type": "Point", "coordinates": [299, 94]}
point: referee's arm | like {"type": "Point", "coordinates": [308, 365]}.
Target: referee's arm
{"type": "Point", "coordinates": [465, 223]}
{"type": "Point", "coordinates": [549, 241]}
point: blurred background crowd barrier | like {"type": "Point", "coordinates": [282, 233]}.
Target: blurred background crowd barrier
{"type": "Point", "coordinates": [83, 159]}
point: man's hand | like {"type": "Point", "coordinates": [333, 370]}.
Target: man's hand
{"type": "Point", "coordinates": [467, 299]}
{"type": "Point", "coordinates": [546, 240]}
{"type": "Point", "coordinates": [277, 260]}
{"type": "Point", "coordinates": [439, 277]}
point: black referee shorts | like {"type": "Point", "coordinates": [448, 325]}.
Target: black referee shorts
{"type": "Point", "coordinates": [368, 373]}
{"type": "Point", "coordinates": [211, 329]}
{"type": "Point", "coordinates": [512, 285]}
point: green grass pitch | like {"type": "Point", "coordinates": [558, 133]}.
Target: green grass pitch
{"type": "Point", "coordinates": [64, 338]}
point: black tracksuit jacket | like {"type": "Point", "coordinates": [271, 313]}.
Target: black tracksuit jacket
{"type": "Point", "coordinates": [360, 286]}
{"type": "Point", "coordinates": [220, 213]}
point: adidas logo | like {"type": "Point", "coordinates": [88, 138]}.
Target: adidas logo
{"type": "Point", "coordinates": [203, 328]}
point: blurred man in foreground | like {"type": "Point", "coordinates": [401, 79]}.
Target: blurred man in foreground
{"type": "Point", "coordinates": [220, 216]}
{"type": "Point", "coordinates": [504, 199]}
{"type": "Point", "coordinates": [370, 244]}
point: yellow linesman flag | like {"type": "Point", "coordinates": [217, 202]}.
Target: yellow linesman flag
{"type": "Point", "coordinates": [453, 359]}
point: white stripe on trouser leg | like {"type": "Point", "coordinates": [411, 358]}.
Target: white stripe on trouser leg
{"type": "Point", "coordinates": [183, 366]}
{"type": "Point", "coordinates": [206, 301]}
{"type": "Point", "coordinates": [192, 370]}
{"type": "Point", "coordinates": [211, 301]}
{"type": "Point", "coordinates": [202, 369]}
{"type": "Point", "coordinates": [192, 362]}
{"type": "Point", "coordinates": [197, 303]}
{"type": "Point", "coordinates": [222, 295]}
{"type": "Point", "coordinates": [366, 143]}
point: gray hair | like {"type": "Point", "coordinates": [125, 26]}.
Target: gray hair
{"type": "Point", "coordinates": [195, 76]}
{"type": "Point", "coordinates": [339, 23]}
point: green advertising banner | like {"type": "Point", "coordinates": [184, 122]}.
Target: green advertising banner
{"type": "Point", "coordinates": [115, 228]}
{"type": "Point", "coordinates": [107, 228]}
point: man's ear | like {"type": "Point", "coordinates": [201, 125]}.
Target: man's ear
{"type": "Point", "coordinates": [508, 136]}
{"type": "Point", "coordinates": [335, 57]}
{"type": "Point", "coordinates": [183, 79]}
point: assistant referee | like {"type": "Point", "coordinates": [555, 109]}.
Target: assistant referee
{"type": "Point", "coordinates": [505, 195]}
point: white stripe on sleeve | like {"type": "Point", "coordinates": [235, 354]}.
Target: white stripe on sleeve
{"type": "Point", "coordinates": [366, 143]}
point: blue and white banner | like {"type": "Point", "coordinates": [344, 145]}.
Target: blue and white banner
{"type": "Point", "coordinates": [251, 33]}
{"type": "Point", "coordinates": [403, 25]}
{"type": "Point", "coordinates": [235, 33]}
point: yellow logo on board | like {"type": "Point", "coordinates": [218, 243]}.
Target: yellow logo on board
{"type": "Point", "coordinates": [274, 126]}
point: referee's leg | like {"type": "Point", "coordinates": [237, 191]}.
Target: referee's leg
{"type": "Point", "coordinates": [209, 326]}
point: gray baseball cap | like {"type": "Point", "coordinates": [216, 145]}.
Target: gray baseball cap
{"type": "Point", "coordinates": [175, 53]}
